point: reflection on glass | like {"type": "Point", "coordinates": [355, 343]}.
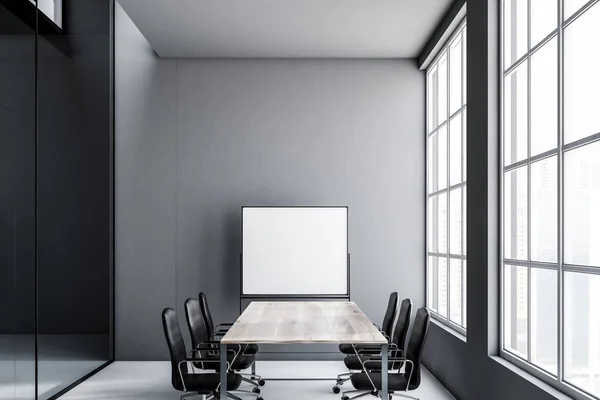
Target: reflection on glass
{"type": "Point", "coordinates": [442, 292]}
{"type": "Point", "coordinates": [456, 74]}
{"type": "Point", "coordinates": [455, 283]}
{"type": "Point", "coordinates": [432, 96]}
{"type": "Point", "coordinates": [456, 221]}
{"type": "Point", "coordinates": [572, 6]}
{"type": "Point", "coordinates": [443, 88]}
{"type": "Point", "coordinates": [582, 331]}
{"type": "Point", "coordinates": [544, 319]}
{"type": "Point", "coordinates": [438, 160]}
{"type": "Point", "coordinates": [581, 79]}
{"type": "Point", "coordinates": [582, 210]}
{"type": "Point", "coordinates": [515, 115]}
{"type": "Point", "coordinates": [544, 210]}
{"type": "Point", "coordinates": [543, 19]}
{"type": "Point", "coordinates": [515, 214]}
{"type": "Point", "coordinates": [438, 223]}
{"type": "Point", "coordinates": [544, 98]}
{"type": "Point", "coordinates": [515, 30]}
{"type": "Point", "coordinates": [464, 224]}
{"type": "Point", "coordinates": [456, 150]}
{"type": "Point", "coordinates": [17, 208]}
{"type": "Point", "coordinates": [515, 309]}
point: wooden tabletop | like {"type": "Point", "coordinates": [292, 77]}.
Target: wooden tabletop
{"type": "Point", "coordinates": [303, 322]}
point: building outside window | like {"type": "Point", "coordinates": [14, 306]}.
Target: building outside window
{"type": "Point", "coordinates": [551, 191]}
{"type": "Point", "coordinates": [447, 183]}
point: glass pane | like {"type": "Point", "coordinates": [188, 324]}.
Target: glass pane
{"type": "Point", "coordinates": [515, 214]}
{"type": "Point", "coordinates": [464, 144]}
{"type": "Point", "coordinates": [464, 295]}
{"type": "Point", "coordinates": [438, 223]}
{"type": "Point", "coordinates": [456, 221]}
{"type": "Point", "coordinates": [456, 289]}
{"type": "Point", "coordinates": [456, 74]}
{"type": "Point", "coordinates": [572, 6]}
{"type": "Point", "coordinates": [544, 18]}
{"type": "Point", "coordinates": [442, 290]}
{"type": "Point", "coordinates": [443, 89]}
{"type": "Point", "coordinates": [432, 283]}
{"type": "Point", "coordinates": [464, 63]}
{"type": "Point", "coordinates": [544, 320]}
{"type": "Point", "coordinates": [582, 81]}
{"type": "Point", "coordinates": [515, 30]}
{"type": "Point", "coordinates": [438, 160]}
{"type": "Point", "coordinates": [456, 150]}
{"type": "Point", "coordinates": [432, 99]}
{"type": "Point", "coordinates": [582, 331]}
{"type": "Point", "coordinates": [515, 115]}
{"type": "Point", "coordinates": [515, 309]}
{"type": "Point", "coordinates": [544, 210]}
{"type": "Point", "coordinates": [582, 210]}
{"type": "Point", "coordinates": [464, 225]}
{"type": "Point", "coordinates": [544, 98]}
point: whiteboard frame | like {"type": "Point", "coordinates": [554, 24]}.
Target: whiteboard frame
{"type": "Point", "coordinates": [345, 296]}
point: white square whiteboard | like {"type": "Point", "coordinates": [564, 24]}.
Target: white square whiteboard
{"type": "Point", "coordinates": [295, 251]}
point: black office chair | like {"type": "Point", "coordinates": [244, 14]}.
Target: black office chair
{"type": "Point", "coordinates": [203, 346]}
{"type": "Point", "coordinates": [220, 330]}
{"type": "Point", "coordinates": [386, 328]}
{"type": "Point", "coordinates": [396, 347]}
{"type": "Point", "coordinates": [404, 381]}
{"type": "Point", "coordinates": [205, 384]}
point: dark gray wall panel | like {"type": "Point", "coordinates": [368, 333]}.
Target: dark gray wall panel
{"type": "Point", "coordinates": [144, 194]}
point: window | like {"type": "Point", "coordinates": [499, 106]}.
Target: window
{"type": "Point", "coordinates": [446, 183]}
{"type": "Point", "coordinates": [52, 9]}
{"type": "Point", "coordinates": [551, 191]}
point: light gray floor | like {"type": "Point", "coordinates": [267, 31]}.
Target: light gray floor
{"type": "Point", "coordinates": [63, 359]}
{"type": "Point", "coordinates": [132, 380]}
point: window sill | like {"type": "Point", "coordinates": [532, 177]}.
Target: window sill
{"type": "Point", "coordinates": [531, 378]}
{"type": "Point", "coordinates": [451, 331]}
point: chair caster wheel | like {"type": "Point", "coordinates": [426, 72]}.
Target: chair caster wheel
{"type": "Point", "coordinates": [340, 382]}
{"type": "Point", "coordinates": [259, 398]}
{"type": "Point", "coordinates": [335, 389]}
{"type": "Point", "coordinates": [345, 398]}
{"type": "Point", "coordinates": [261, 382]}
{"type": "Point", "coordinates": [256, 390]}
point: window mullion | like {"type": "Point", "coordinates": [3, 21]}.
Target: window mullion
{"type": "Point", "coordinates": [560, 194]}
{"type": "Point", "coordinates": [528, 61]}
{"type": "Point", "coordinates": [448, 286]}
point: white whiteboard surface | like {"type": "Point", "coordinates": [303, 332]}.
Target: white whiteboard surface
{"type": "Point", "coordinates": [295, 250]}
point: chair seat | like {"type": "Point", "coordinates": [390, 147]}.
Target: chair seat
{"type": "Point", "coordinates": [206, 383]}
{"type": "Point", "coordinates": [396, 382]}
{"type": "Point", "coordinates": [214, 363]}
{"type": "Point", "coordinates": [353, 363]}
{"type": "Point", "coordinates": [346, 348]}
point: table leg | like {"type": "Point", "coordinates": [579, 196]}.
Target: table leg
{"type": "Point", "coordinates": [223, 388]}
{"type": "Point", "coordinates": [384, 371]}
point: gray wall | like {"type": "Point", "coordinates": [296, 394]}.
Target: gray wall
{"type": "Point", "coordinates": [197, 139]}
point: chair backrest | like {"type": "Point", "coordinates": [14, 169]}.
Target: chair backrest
{"type": "Point", "coordinates": [390, 314]}
{"type": "Point", "coordinates": [416, 344]}
{"type": "Point", "coordinates": [402, 324]}
{"type": "Point", "coordinates": [208, 321]}
{"type": "Point", "coordinates": [196, 324]}
{"type": "Point", "coordinates": [176, 346]}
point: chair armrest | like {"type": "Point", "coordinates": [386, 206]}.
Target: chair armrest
{"type": "Point", "coordinates": [369, 348]}
{"type": "Point", "coordinates": [406, 360]}
{"type": "Point", "coordinates": [192, 360]}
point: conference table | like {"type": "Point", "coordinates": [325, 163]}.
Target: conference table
{"type": "Point", "coordinates": [283, 322]}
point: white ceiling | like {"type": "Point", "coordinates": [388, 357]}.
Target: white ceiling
{"type": "Point", "coordinates": [286, 28]}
